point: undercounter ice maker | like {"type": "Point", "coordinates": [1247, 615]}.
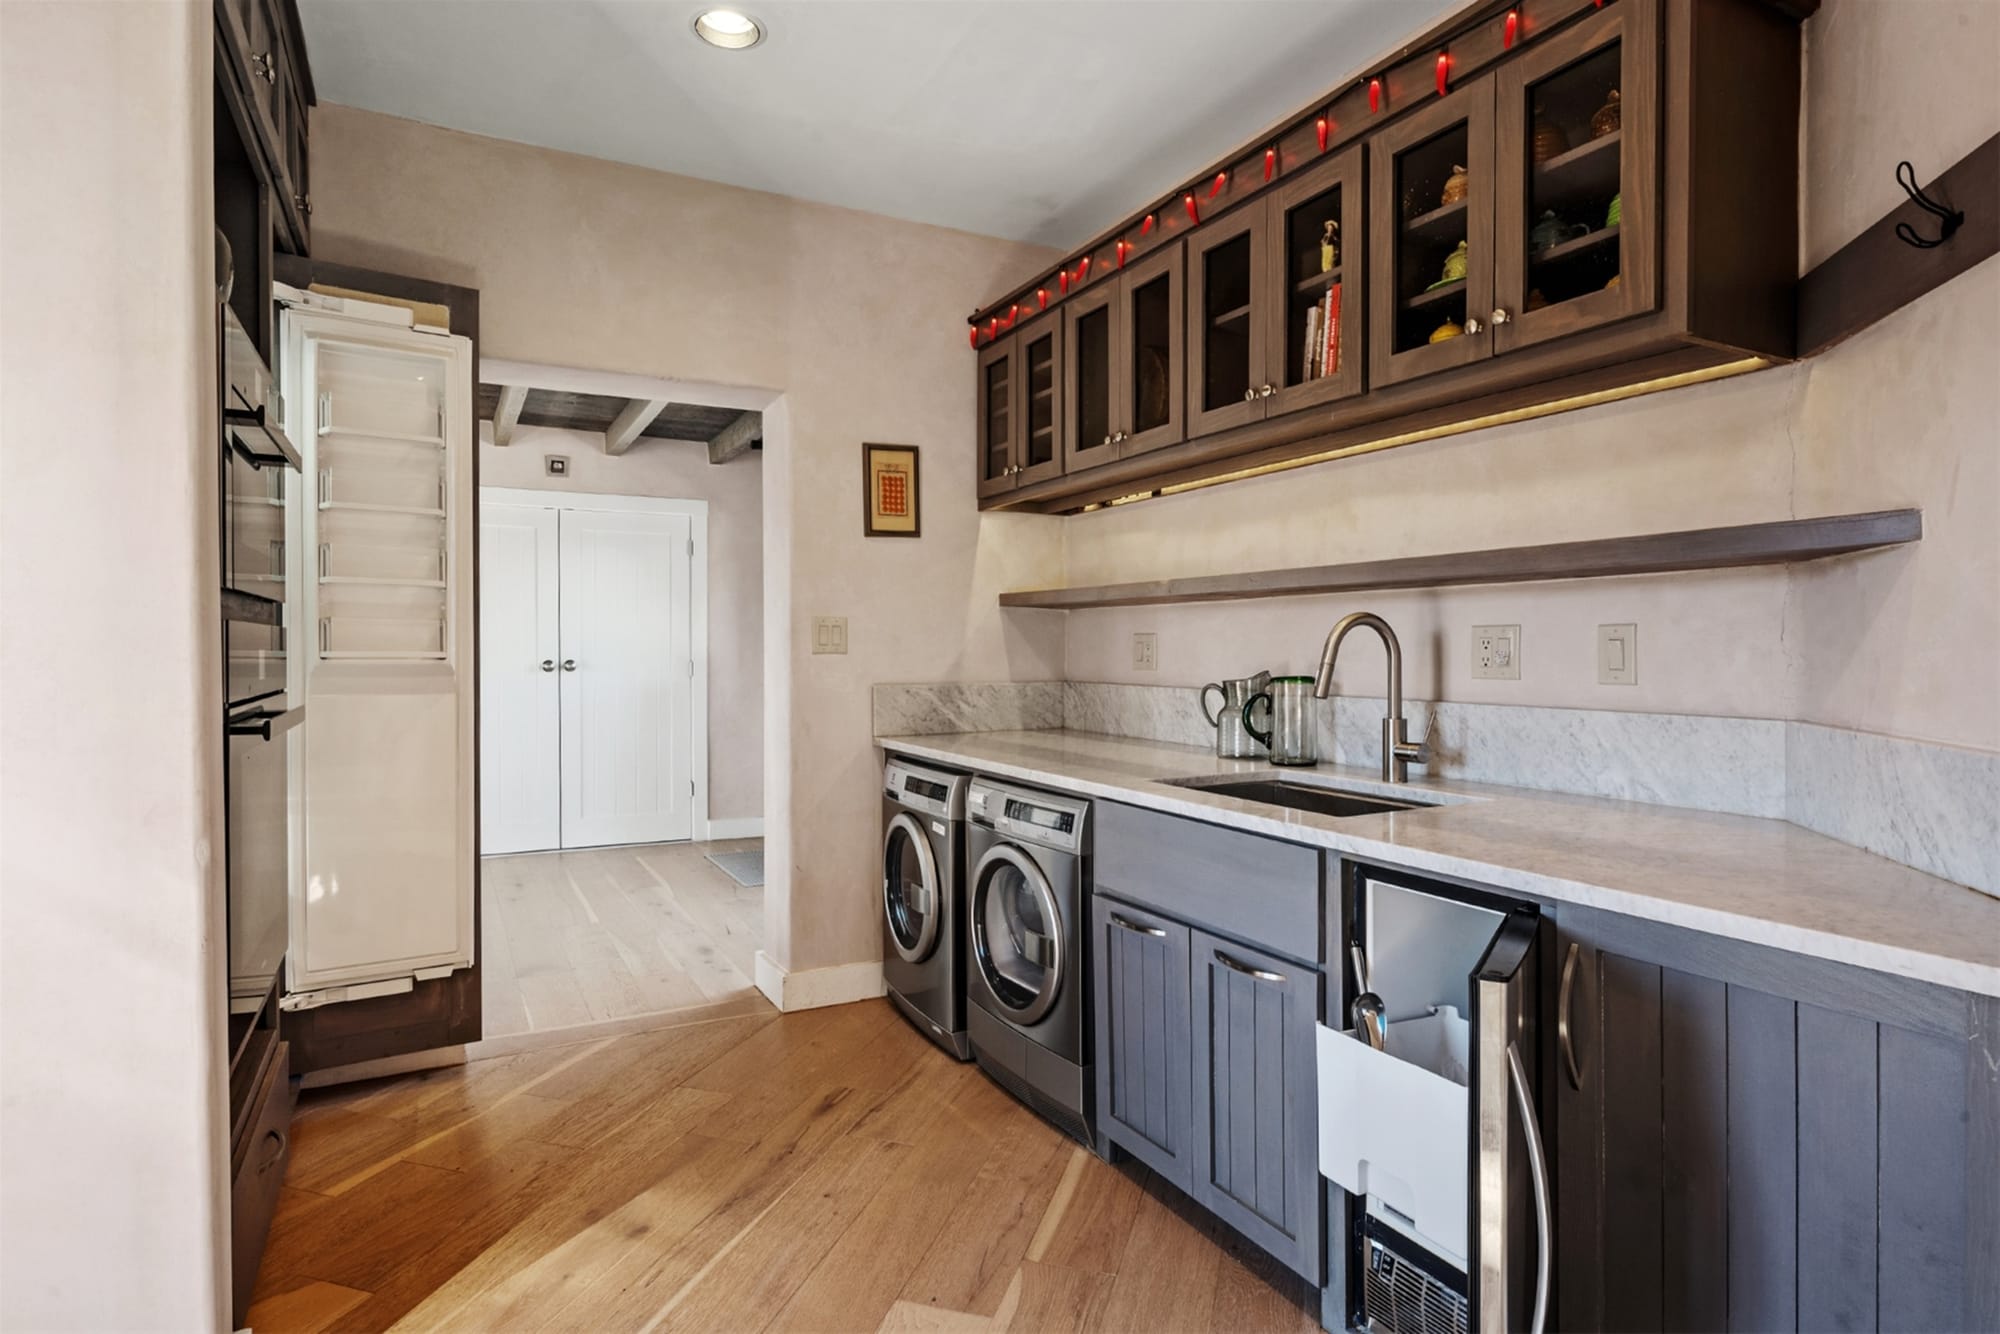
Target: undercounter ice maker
{"type": "Point", "coordinates": [1436, 1137]}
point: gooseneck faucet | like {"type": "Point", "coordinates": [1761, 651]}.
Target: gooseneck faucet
{"type": "Point", "coordinates": [1398, 751]}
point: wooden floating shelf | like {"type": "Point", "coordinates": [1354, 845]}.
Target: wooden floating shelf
{"type": "Point", "coordinates": [1776, 543]}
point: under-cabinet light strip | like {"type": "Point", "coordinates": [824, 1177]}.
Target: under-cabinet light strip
{"type": "Point", "coordinates": [1512, 415]}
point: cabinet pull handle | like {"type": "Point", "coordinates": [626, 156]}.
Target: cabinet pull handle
{"type": "Point", "coordinates": [1472, 324]}
{"type": "Point", "coordinates": [1250, 394]}
{"type": "Point", "coordinates": [1234, 966]}
{"type": "Point", "coordinates": [548, 664]}
{"type": "Point", "coordinates": [1563, 1036]}
{"type": "Point", "coordinates": [1130, 925]}
{"type": "Point", "coordinates": [569, 664]}
{"type": "Point", "coordinates": [1267, 390]}
{"type": "Point", "coordinates": [1500, 315]}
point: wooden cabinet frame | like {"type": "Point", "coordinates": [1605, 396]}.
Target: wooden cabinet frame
{"type": "Point", "coordinates": [1636, 28]}
{"type": "Point", "coordinates": [1124, 354]}
{"type": "Point", "coordinates": [1251, 222]}
{"type": "Point", "coordinates": [1472, 105]}
{"type": "Point", "coordinates": [1021, 415]}
{"type": "Point", "coordinates": [1007, 479]}
{"type": "Point", "coordinates": [1342, 170]}
{"type": "Point", "coordinates": [1078, 454]}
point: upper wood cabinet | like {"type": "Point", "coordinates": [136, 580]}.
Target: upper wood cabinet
{"type": "Point", "coordinates": [1605, 204]}
{"type": "Point", "coordinates": [1020, 407]}
{"type": "Point", "coordinates": [261, 67]}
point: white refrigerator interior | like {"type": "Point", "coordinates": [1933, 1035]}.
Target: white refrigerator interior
{"type": "Point", "coordinates": [590, 666]}
{"type": "Point", "coordinates": [382, 889]}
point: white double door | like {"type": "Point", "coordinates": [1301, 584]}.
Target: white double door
{"type": "Point", "coordinates": [586, 677]}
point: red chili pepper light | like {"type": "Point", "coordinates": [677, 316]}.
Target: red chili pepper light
{"type": "Point", "coordinates": [1062, 278]}
{"type": "Point", "coordinates": [1444, 73]}
{"type": "Point", "coordinates": [1193, 209]}
{"type": "Point", "coordinates": [993, 329]}
{"type": "Point", "coordinates": [1513, 29]}
{"type": "Point", "coordinates": [1013, 313]}
{"type": "Point", "coordinates": [1146, 227]}
{"type": "Point", "coordinates": [1042, 298]}
{"type": "Point", "coordinates": [1270, 162]}
{"type": "Point", "coordinates": [974, 331]}
{"type": "Point", "coordinates": [1221, 179]}
{"type": "Point", "coordinates": [1123, 246]}
{"type": "Point", "coordinates": [1324, 127]}
{"type": "Point", "coordinates": [1374, 96]}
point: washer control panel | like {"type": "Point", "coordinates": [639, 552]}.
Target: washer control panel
{"type": "Point", "coordinates": [1043, 818]}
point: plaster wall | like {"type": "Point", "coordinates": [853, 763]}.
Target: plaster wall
{"type": "Point", "coordinates": [113, 1110]}
{"type": "Point", "coordinates": [679, 469]}
{"type": "Point", "coordinates": [856, 320]}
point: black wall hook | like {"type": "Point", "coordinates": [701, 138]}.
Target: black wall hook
{"type": "Point", "coordinates": [1948, 218]}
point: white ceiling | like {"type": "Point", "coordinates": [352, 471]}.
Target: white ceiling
{"type": "Point", "coordinates": [1043, 120]}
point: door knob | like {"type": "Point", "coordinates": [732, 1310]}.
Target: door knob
{"type": "Point", "coordinates": [1267, 391]}
{"type": "Point", "coordinates": [1250, 394]}
{"type": "Point", "coordinates": [1500, 315]}
{"type": "Point", "coordinates": [569, 664]}
{"type": "Point", "coordinates": [1472, 324]}
{"type": "Point", "coordinates": [1107, 440]}
{"type": "Point", "coordinates": [548, 664]}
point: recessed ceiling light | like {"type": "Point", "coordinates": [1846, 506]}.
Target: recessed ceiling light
{"type": "Point", "coordinates": [727, 29]}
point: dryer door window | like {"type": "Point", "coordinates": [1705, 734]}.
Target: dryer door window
{"type": "Point", "coordinates": [1017, 933]}
{"type": "Point", "coordinates": [911, 902]}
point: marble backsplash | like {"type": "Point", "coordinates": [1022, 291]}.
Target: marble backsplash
{"type": "Point", "coordinates": [1936, 808]}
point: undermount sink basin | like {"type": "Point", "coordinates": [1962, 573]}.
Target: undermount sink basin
{"type": "Point", "coordinates": [1296, 796]}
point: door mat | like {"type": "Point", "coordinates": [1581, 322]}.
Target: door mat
{"type": "Point", "coordinates": [745, 868]}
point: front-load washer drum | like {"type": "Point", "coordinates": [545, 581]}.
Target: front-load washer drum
{"type": "Point", "coordinates": [1017, 933]}
{"type": "Point", "coordinates": [911, 901]}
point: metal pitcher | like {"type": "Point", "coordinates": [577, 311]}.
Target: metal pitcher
{"type": "Point", "coordinates": [1233, 740]}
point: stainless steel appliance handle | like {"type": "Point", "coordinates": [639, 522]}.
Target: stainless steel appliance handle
{"type": "Point", "coordinates": [1118, 919]}
{"type": "Point", "coordinates": [548, 664]}
{"type": "Point", "coordinates": [1538, 1168]}
{"type": "Point", "coordinates": [1564, 1039]}
{"type": "Point", "coordinates": [1235, 966]}
{"type": "Point", "coordinates": [569, 664]}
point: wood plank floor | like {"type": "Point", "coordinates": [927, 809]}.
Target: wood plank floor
{"type": "Point", "coordinates": [580, 937]}
{"type": "Point", "coordinates": [821, 1171]}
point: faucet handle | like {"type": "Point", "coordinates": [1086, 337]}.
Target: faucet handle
{"type": "Point", "coordinates": [1427, 749]}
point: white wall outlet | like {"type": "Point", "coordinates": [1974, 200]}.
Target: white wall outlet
{"type": "Point", "coordinates": [1145, 651]}
{"type": "Point", "coordinates": [1496, 652]}
{"type": "Point", "coordinates": [1618, 655]}
{"type": "Point", "coordinates": [829, 634]}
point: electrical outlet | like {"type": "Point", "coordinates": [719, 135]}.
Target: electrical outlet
{"type": "Point", "coordinates": [1145, 651]}
{"type": "Point", "coordinates": [1618, 655]}
{"type": "Point", "coordinates": [829, 634]}
{"type": "Point", "coordinates": [1496, 652]}
{"type": "Point", "coordinates": [556, 465]}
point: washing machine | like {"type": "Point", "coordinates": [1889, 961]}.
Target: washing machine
{"type": "Point", "coordinates": [923, 913]}
{"type": "Point", "coordinates": [1027, 981]}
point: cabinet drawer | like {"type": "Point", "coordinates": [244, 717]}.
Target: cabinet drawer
{"type": "Point", "coordinates": [259, 1171]}
{"type": "Point", "coordinates": [1256, 889]}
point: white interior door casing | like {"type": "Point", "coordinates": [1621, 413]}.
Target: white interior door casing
{"type": "Point", "coordinates": [628, 677]}
{"type": "Point", "coordinates": [520, 687]}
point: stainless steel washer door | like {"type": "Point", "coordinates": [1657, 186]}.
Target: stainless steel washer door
{"type": "Point", "coordinates": [1017, 933]}
{"type": "Point", "coordinates": [911, 901]}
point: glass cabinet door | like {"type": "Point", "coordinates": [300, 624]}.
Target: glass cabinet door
{"type": "Point", "coordinates": [1038, 362]}
{"type": "Point", "coordinates": [1150, 350]}
{"type": "Point", "coordinates": [1089, 394]}
{"type": "Point", "coordinates": [1226, 323]}
{"type": "Point", "coordinates": [1431, 237]}
{"type": "Point", "coordinates": [997, 417]}
{"type": "Point", "coordinates": [1576, 152]}
{"type": "Point", "coordinates": [1314, 335]}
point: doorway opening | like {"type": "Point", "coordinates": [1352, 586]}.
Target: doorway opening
{"type": "Point", "coordinates": [621, 697]}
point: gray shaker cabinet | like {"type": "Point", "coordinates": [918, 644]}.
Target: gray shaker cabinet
{"type": "Point", "coordinates": [1256, 1147]}
{"type": "Point", "coordinates": [1749, 1139]}
{"type": "Point", "coordinates": [1145, 1058]}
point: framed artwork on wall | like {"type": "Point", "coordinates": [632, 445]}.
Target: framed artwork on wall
{"type": "Point", "coordinates": [889, 476]}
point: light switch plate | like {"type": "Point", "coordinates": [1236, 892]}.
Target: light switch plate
{"type": "Point", "coordinates": [1145, 651]}
{"type": "Point", "coordinates": [829, 634]}
{"type": "Point", "coordinates": [1496, 652]}
{"type": "Point", "coordinates": [1618, 655]}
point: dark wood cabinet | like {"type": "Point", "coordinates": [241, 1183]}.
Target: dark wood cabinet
{"type": "Point", "coordinates": [1606, 206]}
{"type": "Point", "coordinates": [260, 65]}
{"type": "Point", "coordinates": [1145, 1057]}
{"type": "Point", "coordinates": [1020, 407]}
{"type": "Point", "coordinates": [1748, 1139]}
{"type": "Point", "coordinates": [1256, 1146]}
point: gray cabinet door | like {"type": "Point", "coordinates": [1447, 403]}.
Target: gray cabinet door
{"type": "Point", "coordinates": [1256, 1149]}
{"type": "Point", "coordinates": [1145, 1057]}
{"type": "Point", "coordinates": [1757, 1140]}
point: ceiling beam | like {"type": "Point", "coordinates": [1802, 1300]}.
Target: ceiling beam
{"type": "Point", "coordinates": [736, 438]}
{"type": "Point", "coordinates": [507, 414]}
{"type": "Point", "coordinates": [632, 419]}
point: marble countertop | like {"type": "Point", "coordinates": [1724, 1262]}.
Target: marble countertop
{"type": "Point", "coordinates": [1762, 881]}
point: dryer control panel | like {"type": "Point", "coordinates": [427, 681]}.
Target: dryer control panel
{"type": "Point", "coordinates": [1023, 813]}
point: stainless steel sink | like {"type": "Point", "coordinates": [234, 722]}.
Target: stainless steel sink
{"type": "Point", "coordinates": [1296, 796]}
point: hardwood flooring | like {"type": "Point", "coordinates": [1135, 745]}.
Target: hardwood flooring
{"type": "Point", "coordinates": [821, 1171]}
{"type": "Point", "coordinates": [579, 937]}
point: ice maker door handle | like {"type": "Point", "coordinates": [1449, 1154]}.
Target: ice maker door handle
{"type": "Point", "coordinates": [1538, 1168]}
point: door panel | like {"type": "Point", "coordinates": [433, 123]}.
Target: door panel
{"type": "Point", "coordinates": [998, 418]}
{"type": "Point", "coordinates": [1145, 1056]}
{"type": "Point", "coordinates": [1090, 378]}
{"type": "Point", "coordinates": [520, 690]}
{"type": "Point", "coordinates": [1227, 288]}
{"type": "Point", "coordinates": [1413, 230]}
{"type": "Point", "coordinates": [1256, 1149]}
{"type": "Point", "coordinates": [627, 753]}
{"type": "Point", "coordinates": [1150, 352]}
{"type": "Point", "coordinates": [1313, 290]}
{"type": "Point", "coordinates": [1564, 155]}
{"type": "Point", "coordinates": [1038, 438]}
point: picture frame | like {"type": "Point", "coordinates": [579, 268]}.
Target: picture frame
{"type": "Point", "coordinates": [891, 494]}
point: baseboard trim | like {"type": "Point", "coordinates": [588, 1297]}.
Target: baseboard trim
{"type": "Point", "coordinates": [816, 987]}
{"type": "Point", "coordinates": [749, 826]}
